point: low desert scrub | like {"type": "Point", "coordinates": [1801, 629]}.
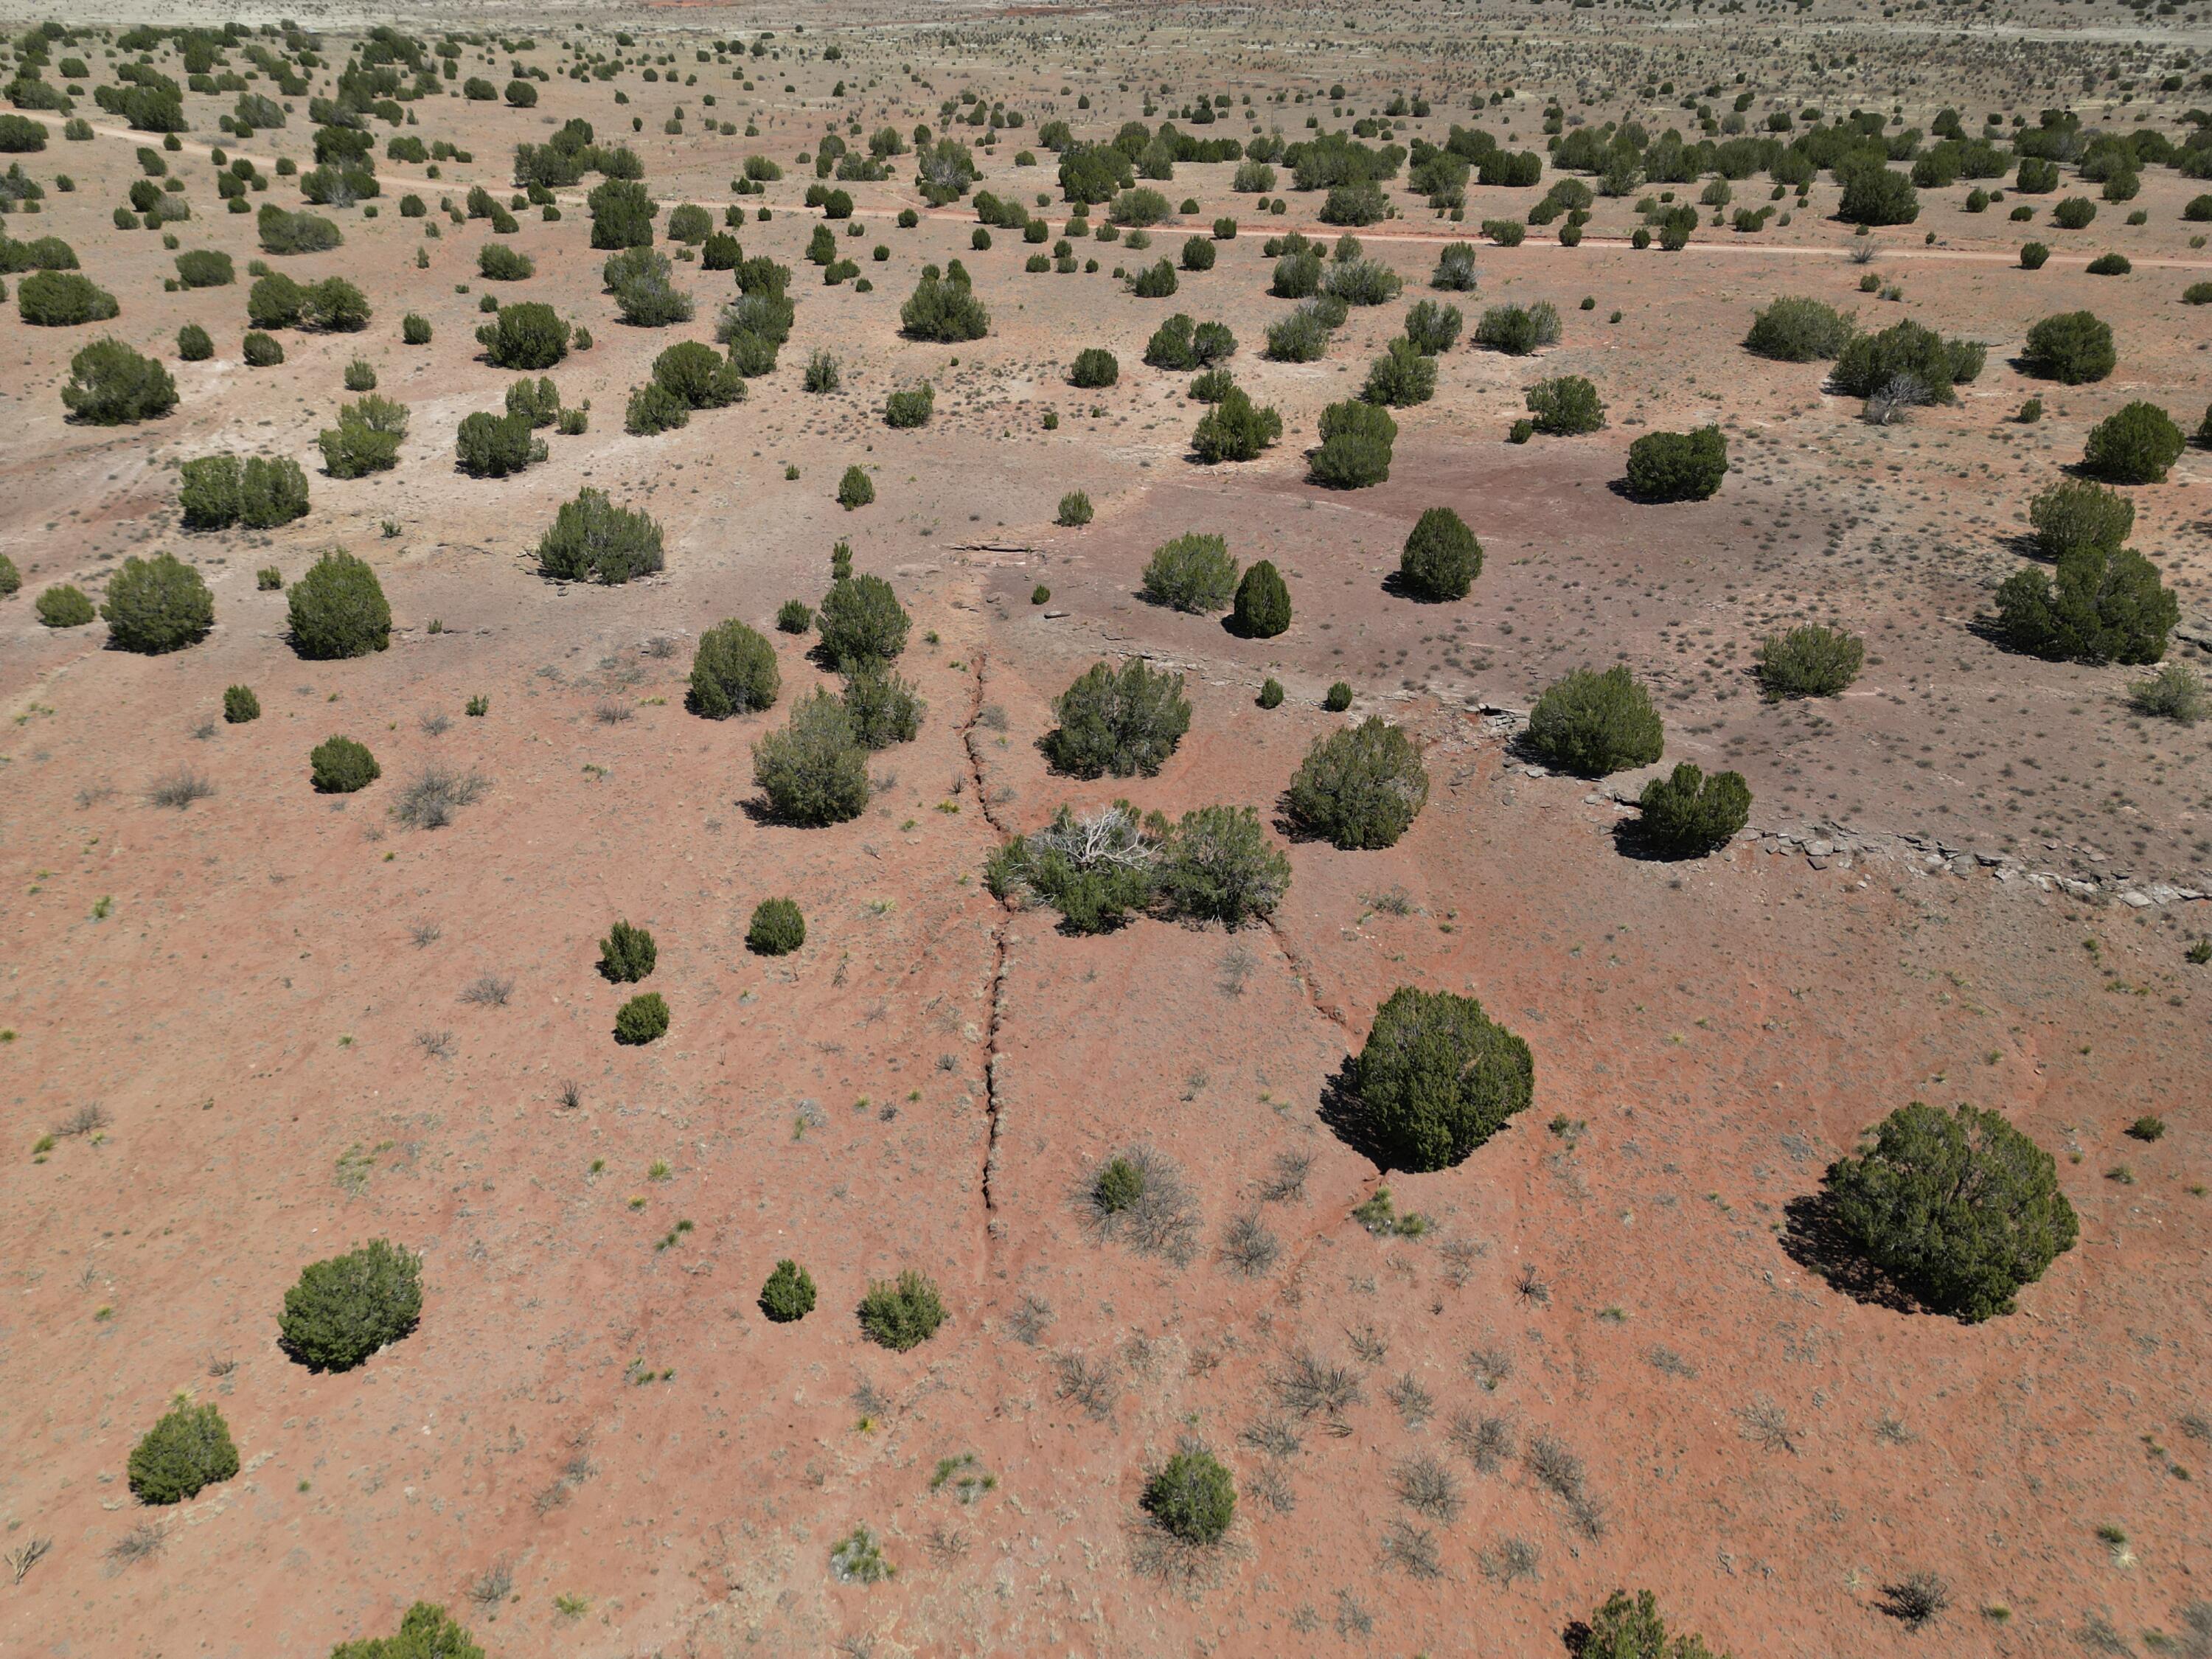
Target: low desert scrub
{"type": "Point", "coordinates": [179, 789]}
{"type": "Point", "coordinates": [1095, 1385]}
{"type": "Point", "coordinates": [1247, 1248]}
{"type": "Point", "coordinates": [857, 1558]}
{"type": "Point", "coordinates": [1141, 1199]}
{"type": "Point", "coordinates": [436, 793]}
{"type": "Point", "coordinates": [1559, 1472]}
{"type": "Point", "coordinates": [1309, 1386]}
{"type": "Point", "coordinates": [1485, 1442]}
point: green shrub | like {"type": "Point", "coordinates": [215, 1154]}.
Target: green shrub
{"type": "Point", "coordinates": [1191, 1495]}
{"type": "Point", "coordinates": [207, 492]}
{"type": "Point", "coordinates": [1263, 603]}
{"type": "Point", "coordinates": [2135, 444]}
{"type": "Point", "coordinates": [367, 438]}
{"type": "Point", "coordinates": [1271, 693]}
{"type": "Point", "coordinates": [1687, 813]}
{"type": "Point", "coordinates": [1356, 446]}
{"type": "Point", "coordinates": [2074, 513]}
{"type": "Point", "coordinates": [1094, 367]}
{"type": "Point", "coordinates": [733, 671]}
{"type": "Point", "coordinates": [1812, 661]}
{"type": "Point", "coordinates": [2074, 213]}
{"type": "Point", "coordinates": [536, 402]}
{"type": "Point", "coordinates": [642, 279]}
{"type": "Point", "coordinates": [1401, 376]}
{"type": "Point", "coordinates": [1437, 1078]}
{"type": "Point", "coordinates": [496, 446]}
{"type": "Point", "coordinates": [337, 609]}
{"type": "Point", "coordinates": [794, 617]}
{"type": "Point", "coordinates": [1235, 429]}
{"type": "Point", "coordinates": [1337, 698]}
{"type": "Point", "coordinates": [1591, 724]}
{"type": "Point", "coordinates": [346, 1307]}
{"type": "Point", "coordinates": [1218, 865]}
{"type": "Point", "coordinates": [111, 385]}
{"type": "Point", "coordinates": [1359, 787]}
{"type": "Point", "coordinates": [187, 1451]}
{"type": "Point", "coordinates": [1432, 328]}
{"type": "Point", "coordinates": [1095, 870]}
{"type": "Point", "coordinates": [2101, 605]}
{"type": "Point", "coordinates": [2198, 293]}
{"type": "Point", "coordinates": [335, 305]}
{"type": "Point", "coordinates": [902, 1314]}
{"type": "Point", "coordinates": [295, 232]}
{"type": "Point", "coordinates": [655, 408]}
{"type": "Point", "coordinates": [2174, 693]}
{"type": "Point", "coordinates": [855, 489]}
{"type": "Point", "coordinates": [2033, 256]}
{"type": "Point", "coordinates": [1961, 1207]}
{"type": "Point", "coordinates": [1874, 195]}
{"type": "Point", "coordinates": [1566, 405]}
{"type": "Point", "coordinates": [1678, 466]}
{"type": "Point", "coordinates": [425, 1633]}
{"type": "Point", "coordinates": [1300, 337]}
{"type": "Point", "coordinates": [339, 766]}
{"type": "Point", "coordinates": [1441, 558]}
{"type": "Point", "coordinates": [260, 351]}
{"type": "Point", "coordinates": [2110, 264]}
{"type": "Point", "coordinates": [64, 605]}
{"type": "Point", "coordinates": [1455, 271]}
{"type": "Point", "coordinates": [1194, 573]}
{"type": "Point", "coordinates": [529, 336]}
{"type": "Point", "coordinates": [240, 705]}
{"type": "Point", "coordinates": [2075, 346]}
{"type": "Point", "coordinates": [862, 621]}
{"type": "Point", "coordinates": [1198, 253]}
{"type": "Point", "coordinates": [904, 411]}
{"type": "Point", "coordinates": [1797, 330]}
{"type": "Point", "coordinates": [360, 375]}
{"type": "Point", "coordinates": [627, 954]}
{"type": "Point", "coordinates": [1126, 721]}
{"type": "Point", "coordinates": [1075, 510]}
{"type": "Point", "coordinates": [1873, 363]}
{"type": "Point", "coordinates": [1518, 330]}
{"type": "Point", "coordinates": [643, 1019]}
{"type": "Point", "coordinates": [622, 215]}
{"type": "Point", "coordinates": [498, 263]}
{"type": "Point", "coordinates": [1155, 282]}
{"type": "Point", "coordinates": [415, 329]}
{"type": "Point", "coordinates": [788, 1294]}
{"type": "Point", "coordinates": [12, 580]}
{"type": "Point", "coordinates": [194, 344]}
{"type": "Point", "coordinates": [777, 930]}
{"type": "Point", "coordinates": [591, 539]}
{"type": "Point", "coordinates": [944, 310]}
{"type": "Point", "coordinates": [158, 604]}
{"type": "Point", "coordinates": [814, 771]}
{"type": "Point", "coordinates": [61, 299]}
{"type": "Point", "coordinates": [1633, 1629]}
{"type": "Point", "coordinates": [883, 708]}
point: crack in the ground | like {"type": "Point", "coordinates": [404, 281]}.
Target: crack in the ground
{"type": "Point", "coordinates": [991, 1103]}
